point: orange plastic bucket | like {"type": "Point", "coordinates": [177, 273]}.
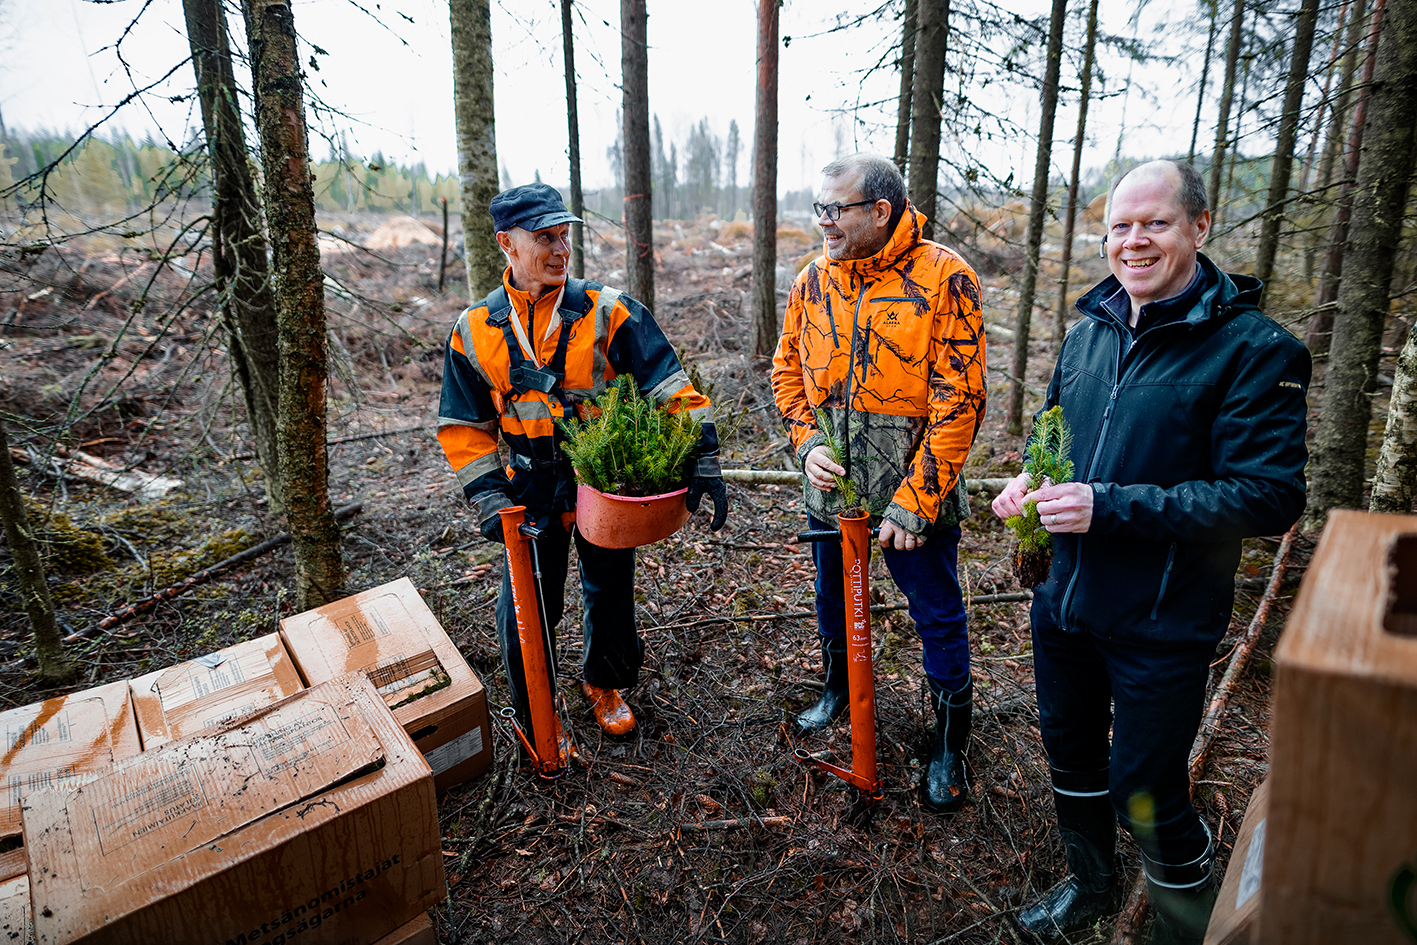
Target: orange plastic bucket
{"type": "Point", "coordinates": [627, 521]}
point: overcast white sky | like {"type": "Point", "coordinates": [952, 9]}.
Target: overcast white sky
{"type": "Point", "coordinates": [393, 78]}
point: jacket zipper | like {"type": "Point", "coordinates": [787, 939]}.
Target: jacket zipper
{"type": "Point", "coordinates": [1165, 577]}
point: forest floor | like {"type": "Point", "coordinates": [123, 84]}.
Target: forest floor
{"type": "Point", "coordinates": [701, 826]}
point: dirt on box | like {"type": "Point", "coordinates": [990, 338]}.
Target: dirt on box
{"type": "Point", "coordinates": [699, 827]}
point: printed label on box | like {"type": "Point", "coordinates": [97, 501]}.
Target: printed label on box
{"type": "Point", "coordinates": [1254, 866]}
{"type": "Point", "coordinates": [364, 625]}
{"type": "Point", "coordinates": [455, 752]}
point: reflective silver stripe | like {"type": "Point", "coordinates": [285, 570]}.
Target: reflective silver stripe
{"type": "Point", "coordinates": [490, 504]}
{"type": "Point", "coordinates": [668, 387]}
{"type": "Point", "coordinates": [708, 466]}
{"type": "Point", "coordinates": [604, 305]}
{"type": "Point", "coordinates": [479, 468]}
{"type": "Point", "coordinates": [1059, 790]}
{"type": "Point", "coordinates": [486, 427]}
{"type": "Point", "coordinates": [529, 409]}
{"type": "Point", "coordinates": [463, 330]}
{"type": "Point", "coordinates": [703, 414]}
{"type": "Point", "coordinates": [1200, 882]}
{"type": "Point", "coordinates": [578, 393]}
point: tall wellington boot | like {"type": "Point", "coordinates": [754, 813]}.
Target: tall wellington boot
{"type": "Point", "coordinates": [1091, 891]}
{"type": "Point", "coordinates": [943, 788]}
{"type": "Point", "coordinates": [1183, 899]}
{"type": "Point", "coordinates": [835, 699]}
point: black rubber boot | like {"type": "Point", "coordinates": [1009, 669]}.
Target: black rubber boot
{"type": "Point", "coordinates": [1183, 899]}
{"type": "Point", "coordinates": [944, 787]}
{"type": "Point", "coordinates": [1090, 892]}
{"type": "Point", "coordinates": [835, 698]}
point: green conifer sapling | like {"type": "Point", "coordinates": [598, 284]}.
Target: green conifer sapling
{"type": "Point", "coordinates": [1045, 461]}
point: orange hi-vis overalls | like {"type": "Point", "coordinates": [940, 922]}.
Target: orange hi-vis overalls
{"type": "Point", "coordinates": [889, 353]}
{"type": "Point", "coordinates": [515, 365]}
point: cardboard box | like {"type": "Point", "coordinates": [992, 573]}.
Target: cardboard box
{"type": "Point", "coordinates": [417, 932]}
{"type": "Point", "coordinates": [1233, 920]}
{"type": "Point", "coordinates": [63, 741]}
{"type": "Point", "coordinates": [205, 692]}
{"type": "Point", "coordinates": [16, 921]}
{"type": "Point", "coordinates": [1340, 856]}
{"type": "Point", "coordinates": [390, 634]}
{"type": "Point", "coordinates": [314, 813]}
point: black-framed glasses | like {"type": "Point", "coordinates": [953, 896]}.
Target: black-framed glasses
{"type": "Point", "coordinates": [833, 210]}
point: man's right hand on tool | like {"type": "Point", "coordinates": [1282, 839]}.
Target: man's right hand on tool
{"type": "Point", "coordinates": [492, 530]}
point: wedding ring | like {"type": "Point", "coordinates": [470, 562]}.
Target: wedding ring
{"type": "Point", "coordinates": [1055, 519]}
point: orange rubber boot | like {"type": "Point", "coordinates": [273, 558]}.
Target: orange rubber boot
{"type": "Point", "coordinates": [611, 712]}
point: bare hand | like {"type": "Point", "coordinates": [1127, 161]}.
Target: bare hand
{"type": "Point", "coordinates": [1063, 508]}
{"type": "Point", "coordinates": [1009, 503]}
{"type": "Point", "coordinates": [820, 467]}
{"type": "Point", "coordinates": [892, 535]}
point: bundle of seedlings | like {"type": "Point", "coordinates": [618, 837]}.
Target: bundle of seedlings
{"type": "Point", "coordinates": [851, 504]}
{"type": "Point", "coordinates": [628, 446]}
{"type": "Point", "coordinates": [1046, 462]}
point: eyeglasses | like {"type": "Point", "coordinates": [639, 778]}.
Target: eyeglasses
{"type": "Point", "coordinates": [833, 210]}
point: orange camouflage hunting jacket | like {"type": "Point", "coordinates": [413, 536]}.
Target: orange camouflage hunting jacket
{"type": "Point", "coordinates": [889, 353]}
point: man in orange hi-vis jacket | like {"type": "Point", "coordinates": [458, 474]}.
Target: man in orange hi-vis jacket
{"type": "Point", "coordinates": [534, 351]}
{"type": "Point", "coordinates": [883, 344]}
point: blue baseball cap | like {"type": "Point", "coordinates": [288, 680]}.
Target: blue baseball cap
{"type": "Point", "coordinates": [531, 207]}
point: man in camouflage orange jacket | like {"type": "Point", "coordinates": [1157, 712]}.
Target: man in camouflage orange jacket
{"type": "Point", "coordinates": [883, 344]}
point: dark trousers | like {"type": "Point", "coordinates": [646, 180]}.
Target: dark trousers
{"type": "Point", "coordinates": [612, 652]}
{"type": "Point", "coordinates": [927, 577]}
{"type": "Point", "coordinates": [1151, 698]}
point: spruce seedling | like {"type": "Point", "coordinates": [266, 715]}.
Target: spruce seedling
{"type": "Point", "coordinates": [631, 447]}
{"type": "Point", "coordinates": [850, 501]}
{"type": "Point", "coordinates": [1045, 461]}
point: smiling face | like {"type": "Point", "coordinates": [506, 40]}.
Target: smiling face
{"type": "Point", "coordinates": [539, 259]}
{"type": "Point", "coordinates": [1151, 243]}
{"type": "Point", "coordinates": [861, 232]}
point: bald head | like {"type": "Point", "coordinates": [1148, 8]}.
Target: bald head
{"type": "Point", "coordinates": [1189, 187]}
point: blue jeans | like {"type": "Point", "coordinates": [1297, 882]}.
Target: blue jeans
{"type": "Point", "coordinates": [927, 577]}
{"type": "Point", "coordinates": [1151, 698]}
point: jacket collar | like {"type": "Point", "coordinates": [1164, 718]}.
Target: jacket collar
{"type": "Point", "coordinates": [1217, 291]}
{"type": "Point", "coordinates": [572, 299]}
{"type": "Point", "coordinates": [905, 237]}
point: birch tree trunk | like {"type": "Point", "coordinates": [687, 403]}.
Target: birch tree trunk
{"type": "Point", "coordinates": [907, 81]}
{"type": "Point", "coordinates": [1396, 478]}
{"type": "Point", "coordinates": [1029, 279]}
{"type": "Point", "coordinates": [1060, 321]}
{"type": "Point", "coordinates": [1322, 324]}
{"type": "Point", "coordinates": [1205, 77]}
{"type": "Point", "coordinates": [1227, 95]}
{"type": "Point", "coordinates": [473, 114]}
{"type": "Point", "coordinates": [765, 185]}
{"type": "Point", "coordinates": [1379, 200]}
{"type": "Point", "coordinates": [29, 572]}
{"type": "Point", "coordinates": [300, 301]}
{"type": "Point", "coordinates": [932, 34]}
{"type": "Point", "coordinates": [639, 212]}
{"type": "Point", "coordinates": [243, 280]}
{"type": "Point", "coordinates": [1283, 164]}
{"type": "Point", "coordinates": [568, 47]}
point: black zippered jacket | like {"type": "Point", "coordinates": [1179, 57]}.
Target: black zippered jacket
{"type": "Point", "coordinates": [1192, 438]}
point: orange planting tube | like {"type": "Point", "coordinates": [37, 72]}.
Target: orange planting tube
{"type": "Point", "coordinates": [546, 753]}
{"type": "Point", "coordinates": [861, 684]}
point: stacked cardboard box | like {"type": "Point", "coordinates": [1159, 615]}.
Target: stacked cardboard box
{"type": "Point", "coordinates": [314, 813]}
{"type": "Point", "coordinates": [390, 634]}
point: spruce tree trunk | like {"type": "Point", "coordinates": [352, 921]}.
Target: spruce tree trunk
{"type": "Point", "coordinates": [907, 82]}
{"type": "Point", "coordinates": [29, 573]}
{"type": "Point", "coordinates": [477, 142]}
{"type": "Point", "coordinates": [247, 306]}
{"type": "Point", "coordinates": [1396, 478]}
{"type": "Point", "coordinates": [1379, 200]}
{"type": "Point", "coordinates": [1323, 108]}
{"type": "Point", "coordinates": [1227, 95]}
{"type": "Point", "coordinates": [932, 19]}
{"type": "Point", "coordinates": [1060, 321]}
{"type": "Point", "coordinates": [765, 185]}
{"type": "Point", "coordinates": [1284, 146]}
{"type": "Point", "coordinates": [1029, 279]}
{"type": "Point", "coordinates": [1205, 77]}
{"type": "Point", "coordinates": [300, 301]}
{"type": "Point", "coordinates": [574, 128]}
{"type": "Point", "coordinates": [639, 212]}
{"type": "Point", "coordinates": [1321, 325]}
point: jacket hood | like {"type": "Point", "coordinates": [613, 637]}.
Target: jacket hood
{"type": "Point", "coordinates": [905, 238]}
{"type": "Point", "coordinates": [1221, 289]}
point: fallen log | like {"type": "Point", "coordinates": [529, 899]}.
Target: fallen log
{"type": "Point", "coordinates": [787, 477]}
{"type": "Point", "coordinates": [201, 577]}
{"type": "Point", "coordinates": [75, 464]}
{"type": "Point", "coordinates": [739, 822]}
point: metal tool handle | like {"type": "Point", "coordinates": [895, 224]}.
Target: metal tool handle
{"type": "Point", "coordinates": [827, 534]}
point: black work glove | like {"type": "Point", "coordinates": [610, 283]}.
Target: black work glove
{"type": "Point", "coordinates": [714, 486]}
{"type": "Point", "coordinates": [492, 530]}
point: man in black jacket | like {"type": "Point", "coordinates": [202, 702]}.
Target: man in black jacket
{"type": "Point", "coordinates": [1187, 408]}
